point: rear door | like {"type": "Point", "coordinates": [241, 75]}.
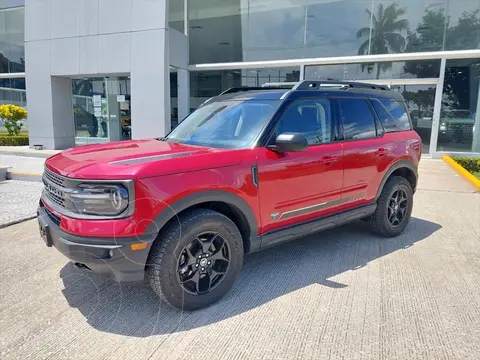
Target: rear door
{"type": "Point", "coordinates": [300, 186]}
{"type": "Point", "coordinates": [364, 150]}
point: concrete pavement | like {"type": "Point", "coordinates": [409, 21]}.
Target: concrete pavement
{"type": "Point", "coordinates": [341, 294]}
{"type": "Point", "coordinates": [18, 201]}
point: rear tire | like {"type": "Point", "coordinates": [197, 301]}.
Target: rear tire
{"type": "Point", "coordinates": [394, 208]}
{"type": "Point", "coordinates": [190, 269]}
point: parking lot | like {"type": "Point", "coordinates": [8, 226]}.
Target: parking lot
{"type": "Point", "coordinates": [341, 294]}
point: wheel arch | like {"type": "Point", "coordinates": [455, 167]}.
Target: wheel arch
{"type": "Point", "coordinates": [404, 168]}
{"type": "Point", "coordinates": [224, 202]}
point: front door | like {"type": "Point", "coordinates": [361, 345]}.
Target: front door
{"type": "Point", "coordinates": [300, 186]}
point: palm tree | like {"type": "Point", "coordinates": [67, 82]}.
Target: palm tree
{"type": "Point", "coordinates": [383, 36]}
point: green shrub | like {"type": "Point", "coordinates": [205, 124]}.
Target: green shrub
{"type": "Point", "coordinates": [15, 140]}
{"type": "Point", "coordinates": [470, 164]}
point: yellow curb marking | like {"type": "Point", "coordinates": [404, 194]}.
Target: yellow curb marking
{"type": "Point", "coordinates": [23, 173]}
{"type": "Point", "coordinates": [462, 171]}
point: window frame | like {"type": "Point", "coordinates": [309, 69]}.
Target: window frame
{"type": "Point", "coordinates": [401, 103]}
{"type": "Point", "coordinates": [376, 122]}
{"type": "Point", "coordinates": [276, 120]}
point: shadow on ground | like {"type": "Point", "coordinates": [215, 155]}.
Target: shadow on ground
{"type": "Point", "coordinates": [134, 309]}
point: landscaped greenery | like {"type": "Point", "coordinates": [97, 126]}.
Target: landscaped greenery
{"type": "Point", "coordinates": [13, 140]}
{"type": "Point", "coordinates": [12, 116]}
{"type": "Point", "coordinates": [470, 164]}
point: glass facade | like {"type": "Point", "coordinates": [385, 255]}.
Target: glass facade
{"type": "Point", "coordinates": [206, 84]}
{"type": "Point", "coordinates": [414, 69]}
{"type": "Point", "coordinates": [249, 30]}
{"type": "Point", "coordinates": [12, 55]}
{"type": "Point", "coordinates": [225, 31]}
{"type": "Point", "coordinates": [101, 110]}
{"type": "Point", "coordinates": [459, 128]}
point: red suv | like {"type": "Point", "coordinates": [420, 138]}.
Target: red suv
{"type": "Point", "coordinates": [251, 168]}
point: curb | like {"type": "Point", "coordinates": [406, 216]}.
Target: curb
{"type": "Point", "coordinates": [24, 176]}
{"type": "Point", "coordinates": [26, 154]}
{"type": "Point", "coordinates": [15, 222]}
{"type": "Point", "coordinates": [462, 171]}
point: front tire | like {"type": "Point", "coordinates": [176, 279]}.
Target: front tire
{"type": "Point", "coordinates": [196, 260]}
{"type": "Point", "coordinates": [394, 208]}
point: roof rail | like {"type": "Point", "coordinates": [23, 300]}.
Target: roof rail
{"type": "Point", "coordinates": [267, 86]}
{"type": "Point", "coordinates": [316, 84]}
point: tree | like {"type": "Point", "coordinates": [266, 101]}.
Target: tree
{"type": "Point", "coordinates": [385, 34]}
{"type": "Point", "coordinates": [432, 33]}
{"type": "Point", "coordinates": [12, 115]}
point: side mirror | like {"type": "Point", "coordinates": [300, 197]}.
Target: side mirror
{"type": "Point", "coordinates": [287, 142]}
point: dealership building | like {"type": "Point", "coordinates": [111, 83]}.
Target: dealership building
{"type": "Point", "coordinates": [94, 71]}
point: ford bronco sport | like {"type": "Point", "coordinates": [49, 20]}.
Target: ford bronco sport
{"type": "Point", "coordinates": [251, 168]}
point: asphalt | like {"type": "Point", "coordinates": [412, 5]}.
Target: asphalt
{"type": "Point", "coordinates": [341, 294]}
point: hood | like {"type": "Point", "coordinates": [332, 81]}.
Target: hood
{"type": "Point", "coordinates": [138, 158]}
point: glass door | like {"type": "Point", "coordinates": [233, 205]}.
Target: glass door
{"type": "Point", "coordinates": [420, 100]}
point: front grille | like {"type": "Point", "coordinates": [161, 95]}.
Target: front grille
{"type": "Point", "coordinates": [54, 198]}
{"type": "Point", "coordinates": [54, 178]}
{"type": "Point", "coordinates": [53, 217]}
{"type": "Point", "coordinates": [54, 187]}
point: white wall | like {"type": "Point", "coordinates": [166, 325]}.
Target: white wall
{"type": "Point", "coordinates": [71, 38]}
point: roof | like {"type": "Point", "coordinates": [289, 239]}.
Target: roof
{"type": "Point", "coordinates": [308, 88]}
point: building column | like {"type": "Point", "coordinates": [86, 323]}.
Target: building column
{"type": "Point", "coordinates": [183, 79]}
{"type": "Point", "coordinates": [50, 109]}
{"type": "Point", "coordinates": [150, 84]}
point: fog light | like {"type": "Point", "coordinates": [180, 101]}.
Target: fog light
{"type": "Point", "coordinates": [110, 253]}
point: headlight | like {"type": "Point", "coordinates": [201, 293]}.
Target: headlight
{"type": "Point", "coordinates": [443, 127]}
{"type": "Point", "coordinates": [97, 199]}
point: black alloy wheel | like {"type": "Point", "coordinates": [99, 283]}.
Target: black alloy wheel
{"type": "Point", "coordinates": [203, 263]}
{"type": "Point", "coordinates": [397, 207]}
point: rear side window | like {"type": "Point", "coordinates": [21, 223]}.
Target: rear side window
{"type": "Point", "coordinates": [392, 114]}
{"type": "Point", "coordinates": [357, 119]}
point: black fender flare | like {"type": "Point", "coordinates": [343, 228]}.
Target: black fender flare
{"type": "Point", "coordinates": [397, 165]}
{"type": "Point", "coordinates": [202, 197]}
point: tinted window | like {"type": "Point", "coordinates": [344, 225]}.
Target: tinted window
{"type": "Point", "coordinates": [312, 118]}
{"type": "Point", "coordinates": [357, 118]}
{"type": "Point", "coordinates": [225, 124]}
{"type": "Point", "coordinates": [392, 114]}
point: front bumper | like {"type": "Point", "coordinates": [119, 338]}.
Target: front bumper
{"type": "Point", "coordinates": [111, 257]}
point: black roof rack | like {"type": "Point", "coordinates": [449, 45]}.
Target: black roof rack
{"type": "Point", "coordinates": [253, 88]}
{"type": "Point", "coordinates": [316, 84]}
{"type": "Point", "coordinates": [308, 85]}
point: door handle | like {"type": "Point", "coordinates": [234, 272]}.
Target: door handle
{"type": "Point", "coordinates": [327, 160]}
{"type": "Point", "coordinates": [382, 152]}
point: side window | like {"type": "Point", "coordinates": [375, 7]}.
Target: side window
{"type": "Point", "coordinates": [357, 118]}
{"type": "Point", "coordinates": [392, 114]}
{"type": "Point", "coordinates": [311, 117]}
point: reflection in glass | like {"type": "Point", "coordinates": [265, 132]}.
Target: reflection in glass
{"type": "Point", "coordinates": [420, 100]}
{"type": "Point", "coordinates": [249, 30]}
{"type": "Point", "coordinates": [12, 55]}
{"type": "Point", "coordinates": [459, 128]}
{"type": "Point", "coordinates": [176, 15]}
{"type": "Point", "coordinates": [206, 84]}
{"type": "Point", "coordinates": [412, 69]}
{"type": "Point", "coordinates": [101, 110]}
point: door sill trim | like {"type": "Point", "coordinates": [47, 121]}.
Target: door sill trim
{"type": "Point", "coordinates": [296, 231]}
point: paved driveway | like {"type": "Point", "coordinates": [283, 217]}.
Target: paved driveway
{"type": "Point", "coordinates": [342, 294]}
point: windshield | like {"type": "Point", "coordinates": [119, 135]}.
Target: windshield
{"type": "Point", "coordinates": [225, 124]}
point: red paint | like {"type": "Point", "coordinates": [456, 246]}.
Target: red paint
{"type": "Point", "coordinates": [287, 182]}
